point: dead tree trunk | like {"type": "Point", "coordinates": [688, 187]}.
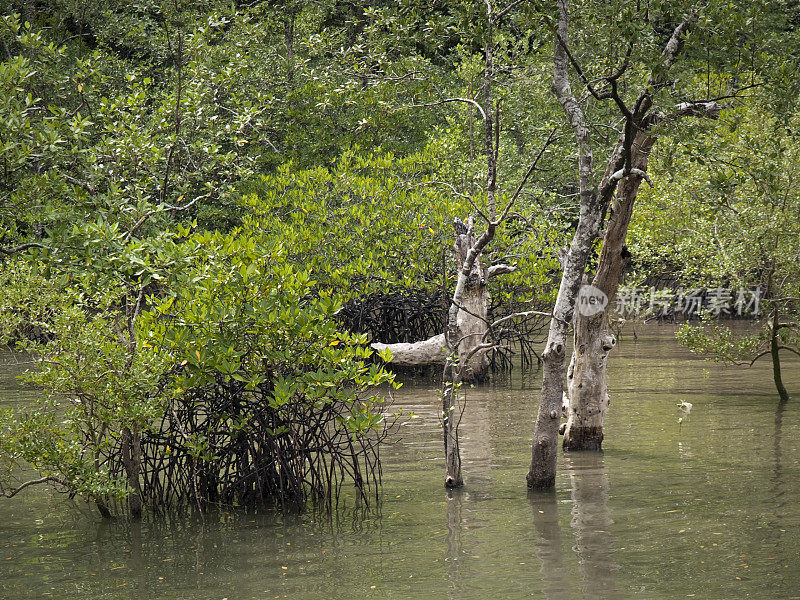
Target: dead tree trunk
{"type": "Point", "coordinates": [589, 399]}
{"type": "Point", "coordinates": [416, 354]}
{"type": "Point", "coordinates": [593, 200]}
{"type": "Point", "coordinates": [466, 325]}
{"type": "Point", "coordinates": [471, 319]}
{"type": "Point", "coordinates": [586, 377]}
{"type": "Point", "coordinates": [472, 315]}
{"type": "Point", "coordinates": [542, 472]}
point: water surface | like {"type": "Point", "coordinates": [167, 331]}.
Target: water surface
{"type": "Point", "coordinates": [707, 508]}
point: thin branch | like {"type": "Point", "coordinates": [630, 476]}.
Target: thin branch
{"type": "Point", "coordinates": [444, 101]}
{"type": "Point", "coordinates": [789, 348]}
{"type": "Point", "coordinates": [550, 139]}
{"type": "Point", "coordinates": [523, 315]}
{"type": "Point", "coordinates": [621, 173]}
{"type": "Point", "coordinates": [734, 94]}
{"type": "Point", "coordinates": [14, 491]}
{"type": "Point", "coordinates": [158, 209]}
{"type": "Point", "coordinates": [579, 70]}
{"type": "Point", "coordinates": [508, 8]}
{"type": "Point", "coordinates": [81, 184]}
{"type": "Point", "coordinates": [20, 248]}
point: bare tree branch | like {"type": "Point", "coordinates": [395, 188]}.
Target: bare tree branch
{"type": "Point", "coordinates": [496, 270]}
{"type": "Point", "coordinates": [444, 101]}
{"type": "Point", "coordinates": [508, 8]}
{"type": "Point", "coordinates": [81, 184]}
{"type": "Point", "coordinates": [550, 139]}
{"type": "Point", "coordinates": [158, 209]}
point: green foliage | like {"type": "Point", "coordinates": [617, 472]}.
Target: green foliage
{"type": "Point", "coordinates": [723, 212]}
{"type": "Point", "coordinates": [314, 136]}
{"type": "Point", "coordinates": [244, 314]}
{"type": "Point", "coordinates": [96, 380]}
{"type": "Point", "coordinates": [383, 224]}
{"type": "Point", "coordinates": [726, 215]}
{"type": "Point", "coordinates": [118, 353]}
{"type": "Point", "coordinates": [720, 343]}
{"type": "Point", "coordinates": [366, 225]}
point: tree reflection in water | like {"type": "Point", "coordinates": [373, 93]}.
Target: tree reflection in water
{"type": "Point", "coordinates": [591, 524]}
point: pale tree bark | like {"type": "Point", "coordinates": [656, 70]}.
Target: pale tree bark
{"type": "Point", "coordinates": [542, 472]}
{"type": "Point", "coordinates": [586, 377]}
{"type": "Point", "coordinates": [587, 382]}
{"type": "Point", "coordinates": [432, 351]}
{"type": "Point", "coordinates": [471, 318]}
{"type": "Point", "coordinates": [461, 332]}
{"type": "Point", "coordinates": [625, 169]}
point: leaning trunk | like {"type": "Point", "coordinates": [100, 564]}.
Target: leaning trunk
{"type": "Point", "coordinates": [586, 379]}
{"type": "Point", "coordinates": [774, 348]}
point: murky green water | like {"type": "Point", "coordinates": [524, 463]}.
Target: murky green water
{"type": "Point", "coordinates": [706, 509]}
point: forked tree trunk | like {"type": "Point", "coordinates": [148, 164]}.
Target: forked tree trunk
{"type": "Point", "coordinates": [621, 171]}
{"type": "Point", "coordinates": [472, 316]}
{"type": "Point", "coordinates": [586, 377]}
{"type": "Point", "coordinates": [588, 397]}
{"type": "Point", "coordinates": [542, 472]}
